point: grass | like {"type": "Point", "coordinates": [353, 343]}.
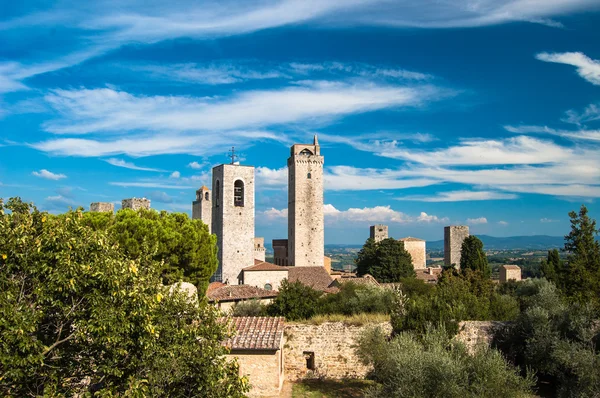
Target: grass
{"type": "Point", "coordinates": [330, 388]}
{"type": "Point", "coordinates": [353, 320]}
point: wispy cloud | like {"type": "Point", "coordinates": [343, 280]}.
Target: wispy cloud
{"type": "Point", "coordinates": [48, 175]}
{"type": "Point", "coordinates": [157, 185]}
{"type": "Point", "coordinates": [587, 68]}
{"type": "Point", "coordinates": [194, 165]}
{"type": "Point", "coordinates": [503, 223]}
{"type": "Point", "coordinates": [547, 220]}
{"type": "Point", "coordinates": [588, 135]}
{"type": "Point", "coordinates": [128, 165]}
{"type": "Point", "coordinates": [460, 196]}
{"type": "Point", "coordinates": [476, 221]}
{"type": "Point", "coordinates": [159, 196]}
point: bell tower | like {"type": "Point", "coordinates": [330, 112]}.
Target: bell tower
{"type": "Point", "coordinates": [202, 208]}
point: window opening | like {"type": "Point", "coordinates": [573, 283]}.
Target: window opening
{"type": "Point", "coordinates": [238, 193]}
{"type": "Point", "coordinates": [310, 359]}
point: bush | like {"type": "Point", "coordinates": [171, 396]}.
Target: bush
{"type": "Point", "coordinates": [433, 365]}
{"type": "Point", "coordinates": [249, 308]}
{"type": "Point", "coordinates": [386, 261]}
{"type": "Point", "coordinates": [356, 299]}
{"type": "Point", "coordinates": [295, 301]}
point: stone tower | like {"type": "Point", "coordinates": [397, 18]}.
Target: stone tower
{"type": "Point", "coordinates": [202, 207]}
{"type": "Point", "coordinates": [454, 235]}
{"type": "Point", "coordinates": [379, 232]}
{"type": "Point", "coordinates": [135, 203]}
{"type": "Point", "coordinates": [306, 240]}
{"type": "Point", "coordinates": [233, 220]}
{"type": "Point", "coordinates": [102, 207]}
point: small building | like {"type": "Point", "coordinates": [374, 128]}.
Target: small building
{"type": "Point", "coordinates": [508, 272]}
{"type": "Point", "coordinates": [258, 348]}
{"type": "Point", "coordinates": [227, 296]}
{"type": "Point", "coordinates": [280, 252]}
{"type": "Point", "coordinates": [429, 275]}
{"type": "Point", "coordinates": [265, 275]}
{"type": "Point", "coordinates": [259, 249]}
{"type": "Point", "coordinates": [102, 207]}
{"type": "Point", "coordinates": [135, 203]}
{"type": "Point", "coordinates": [378, 232]}
{"type": "Point", "coordinates": [416, 248]}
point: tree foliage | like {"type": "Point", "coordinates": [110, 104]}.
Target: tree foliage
{"type": "Point", "coordinates": [80, 317]}
{"type": "Point", "coordinates": [182, 247]}
{"type": "Point", "coordinates": [433, 365]}
{"type": "Point", "coordinates": [386, 261]}
{"type": "Point", "coordinates": [472, 256]}
{"type": "Point", "coordinates": [295, 301]}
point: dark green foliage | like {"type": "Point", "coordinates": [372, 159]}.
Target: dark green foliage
{"type": "Point", "coordinates": [295, 301]}
{"type": "Point", "coordinates": [356, 299]}
{"type": "Point", "coordinates": [386, 261]}
{"type": "Point", "coordinates": [79, 317]}
{"type": "Point", "coordinates": [553, 268]}
{"type": "Point", "coordinates": [181, 246]}
{"type": "Point", "coordinates": [433, 365]}
{"type": "Point", "coordinates": [472, 256]}
{"type": "Point", "coordinates": [557, 339]}
{"type": "Point", "coordinates": [249, 308]}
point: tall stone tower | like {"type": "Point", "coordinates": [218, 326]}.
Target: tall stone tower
{"type": "Point", "coordinates": [202, 207]}
{"type": "Point", "coordinates": [306, 232]}
{"type": "Point", "coordinates": [233, 220]}
{"type": "Point", "coordinates": [378, 232]}
{"type": "Point", "coordinates": [454, 235]}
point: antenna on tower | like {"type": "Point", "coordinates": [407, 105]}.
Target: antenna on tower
{"type": "Point", "coordinates": [233, 155]}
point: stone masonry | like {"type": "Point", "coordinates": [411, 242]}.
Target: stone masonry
{"type": "Point", "coordinates": [259, 249]}
{"type": "Point", "coordinates": [280, 252]}
{"type": "Point", "coordinates": [202, 207]}
{"type": "Point", "coordinates": [508, 272]}
{"type": "Point", "coordinates": [378, 232]}
{"type": "Point", "coordinates": [306, 231]}
{"type": "Point", "coordinates": [416, 248]}
{"type": "Point", "coordinates": [454, 235]}
{"type": "Point", "coordinates": [102, 207]}
{"type": "Point", "coordinates": [233, 220]}
{"type": "Point", "coordinates": [135, 203]}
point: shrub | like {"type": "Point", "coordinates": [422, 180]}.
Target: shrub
{"type": "Point", "coordinates": [249, 308]}
{"type": "Point", "coordinates": [295, 301]}
{"type": "Point", "coordinates": [386, 261]}
{"type": "Point", "coordinates": [356, 299]}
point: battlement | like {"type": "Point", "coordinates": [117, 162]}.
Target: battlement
{"type": "Point", "coordinates": [102, 207]}
{"type": "Point", "coordinates": [135, 203]}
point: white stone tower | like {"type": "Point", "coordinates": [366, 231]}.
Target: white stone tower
{"type": "Point", "coordinates": [454, 235]}
{"type": "Point", "coordinates": [306, 236]}
{"type": "Point", "coordinates": [202, 207]}
{"type": "Point", "coordinates": [378, 232]}
{"type": "Point", "coordinates": [233, 220]}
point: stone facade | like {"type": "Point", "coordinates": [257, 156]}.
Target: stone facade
{"type": "Point", "coordinates": [202, 207]}
{"type": "Point", "coordinates": [102, 207]}
{"type": "Point", "coordinates": [454, 235]}
{"type": "Point", "coordinates": [378, 232]}
{"type": "Point", "coordinates": [280, 252]}
{"type": "Point", "coordinates": [262, 278]}
{"type": "Point", "coordinates": [135, 203]}
{"type": "Point", "coordinates": [508, 272]}
{"type": "Point", "coordinates": [329, 349]}
{"type": "Point", "coordinates": [327, 264]}
{"type": "Point", "coordinates": [416, 248]}
{"type": "Point", "coordinates": [306, 239]}
{"type": "Point", "coordinates": [264, 369]}
{"type": "Point", "coordinates": [233, 220]}
{"type": "Point", "coordinates": [259, 249]}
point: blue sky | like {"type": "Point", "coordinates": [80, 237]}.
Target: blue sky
{"type": "Point", "coordinates": [430, 113]}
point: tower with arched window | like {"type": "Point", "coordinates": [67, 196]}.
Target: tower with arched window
{"type": "Point", "coordinates": [233, 220]}
{"type": "Point", "coordinates": [202, 207]}
{"type": "Point", "coordinates": [306, 238]}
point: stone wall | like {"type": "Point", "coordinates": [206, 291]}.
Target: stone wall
{"type": "Point", "coordinates": [331, 346]}
{"type": "Point", "coordinates": [202, 207]}
{"type": "Point", "coordinates": [454, 235]}
{"type": "Point", "coordinates": [102, 207]}
{"type": "Point", "coordinates": [280, 252]}
{"type": "Point", "coordinates": [135, 203]}
{"type": "Point", "coordinates": [416, 249]}
{"type": "Point", "coordinates": [259, 249]}
{"type": "Point", "coordinates": [378, 232]}
{"type": "Point", "coordinates": [508, 272]}
{"type": "Point", "coordinates": [261, 278]}
{"type": "Point", "coordinates": [263, 369]}
{"type": "Point", "coordinates": [473, 333]}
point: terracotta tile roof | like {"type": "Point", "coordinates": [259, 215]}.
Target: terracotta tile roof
{"type": "Point", "coordinates": [214, 285]}
{"type": "Point", "coordinates": [363, 280]}
{"type": "Point", "coordinates": [411, 239]}
{"type": "Point", "coordinates": [238, 292]}
{"type": "Point", "coordinates": [265, 266]}
{"type": "Point", "coordinates": [511, 266]}
{"type": "Point", "coordinates": [429, 275]}
{"type": "Point", "coordinates": [316, 277]}
{"type": "Point", "coordinates": [256, 333]}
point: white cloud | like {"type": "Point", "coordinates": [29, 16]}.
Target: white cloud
{"type": "Point", "coordinates": [273, 213]}
{"type": "Point", "coordinates": [195, 165]}
{"type": "Point", "coordinates": [475, 221]}
{"type": "Point", "coordinates": [59, 202]}
{"type": "Point", "coordinates": [460, 196]}
{"type": "Point", "coordinates": [128, 165]}
{"type": "Point", "coordinates": [175, 175]}
{"type": "Point", "coordinates": [547, 220]}
{"type": "Point", "coordinates": [48, 175]}
{"type": "Point", "coordinates": [338, 178]}
{"type": "Point", "coordinates": [358, 69]}
{"type": "Point", "coordinates": [587, 135]}
{"type": "Point", "coordinates": [266, 177]}
{"type": "Point", "coordinates": [589, 114]}
{"type": "Point", "coordinates": [587, 68]}
{"type": "Point", "coordinates": [424, 217]}
{"type": "Point", "coordinates": [503, 223]}
{"type": "Point", "coordinates": [157, 185]}
{"type": "Point", "coordinates": [159, 196]}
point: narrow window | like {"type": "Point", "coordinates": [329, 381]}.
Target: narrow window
{"type": "Point", "coordinates": [206, 197]}
{"type": "Point", "coordinates": [238, 193]}
{"type": "Point", "coordinates": [268, 286]}
{"type": "Point", "coordinates": [309, 176]}
{"type": "Point", "coordinates": [217, 193]}
{"type": "Point", "coordinates": [310, 359]}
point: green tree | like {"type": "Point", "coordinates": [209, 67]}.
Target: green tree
{"type": "Point", "coordinates": [386, 261]}
{"type": "Point", "coordinates": [295, 301]}
{"type": "Point", "coordinates": [552, 267]}
{"type": "Point", "coordinates": [182, 247]}
{"type": "Point", "coordinates": [79, 317]}
{"type": "Point", "coordinates": [472, 256]}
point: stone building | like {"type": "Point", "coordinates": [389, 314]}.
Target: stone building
{"type": "Point", "coordinates": [265, 275]}
{"type": "Point", "coordinates": [378, 232]}
{"type": "Point", "coordinates": [508, 272]}
{"type": "Point", "coordinates": [202, 207]}
{"type": "Point", "coordinates": [416, 248]}
{"type": "Point", "coordinates": [135, 203]}
{"type": "Point", "coordinates": [225, 297]}
{"type": "Point", "coordinates": [280, 252]}
{"type": "Point", "coordinates": [454, 235]}
{"type": "Point", "coordinates": [102, 207]}
{"type": "Point", "coordinates": [258, 348]}
{"type": "Point", "coordinates": [233, 220]}
{"type": "Point", "coordinates": [306, 239]}
{"type": "Point", "coordinates": [259, 249]}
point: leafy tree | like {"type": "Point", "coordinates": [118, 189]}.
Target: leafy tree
{"type": "Point", "coordinates": [357, 299]}
{"type": "Point", "coordinates": [181, 246]}
{"type": "Point", "coordinates": [295, 301]}
{"type": "Point", "coordinates": [79, 317]}
{"type": "Point", "coordinates": [386, 261]}
{"type": "Point", "coordinates": [434, 365]}
{"type": "Point", "coordinates": [472, 256]}
{"type": "Point", "coordinates": [553, 267]}
{"type": "Point", "coordinates": [249, 308]}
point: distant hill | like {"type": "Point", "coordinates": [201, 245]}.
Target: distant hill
{"type": "Point", "coordinates": [511, 242]}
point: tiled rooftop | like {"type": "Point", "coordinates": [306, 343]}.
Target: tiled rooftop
{"type": "Point", "coordinates": [265, 266]}
{"type": "Point", "coordinates": [238, 292]}
{"type": "Point", "coordinates": [316, 277]}
{"type": "Point", "coordinates": [256, 333]}
{"type": "Point", "coordinates": [411, 239]}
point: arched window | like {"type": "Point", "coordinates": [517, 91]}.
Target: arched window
{"type": "Point", "coordinates": [309, 176]}
{"type": "Point", "coordinates": [238, 193]}
{"type": "Point", "coordinates": [268, 286]}
{"type": "Point", "coordinates": [306, 152]}
{"type": "Point", "coordinates": [206, 196]}
{"type": "Point", "coordinates": [217, 193]}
